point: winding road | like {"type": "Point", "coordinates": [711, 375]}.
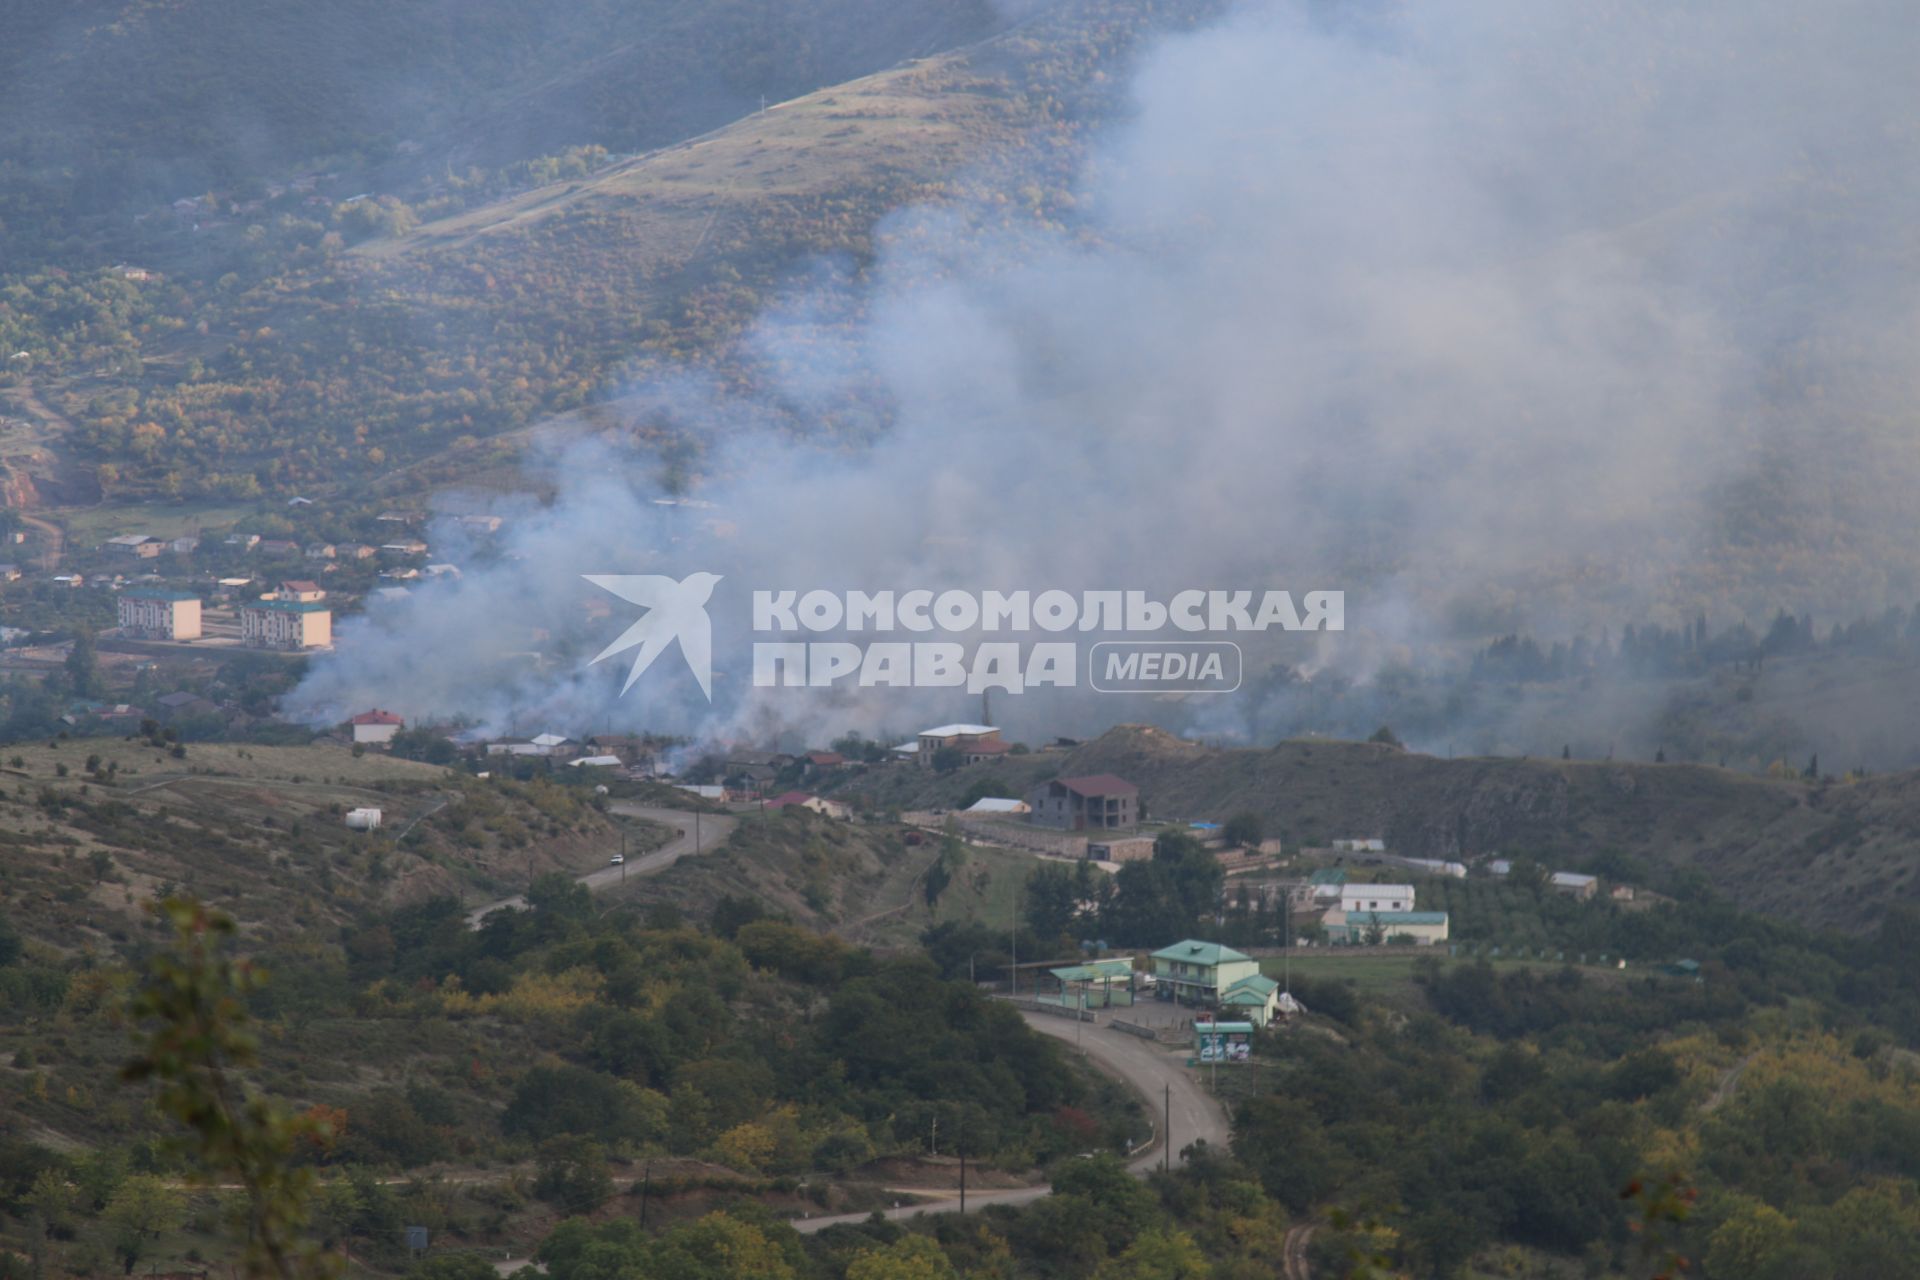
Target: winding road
{"type": "Point", "coordinates": [697, 832]}
{"type": "Point", "coordinates": [1159, 1077]}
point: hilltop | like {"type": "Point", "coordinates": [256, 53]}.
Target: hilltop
{"type": "Point", "coordinates": [1822, 853]}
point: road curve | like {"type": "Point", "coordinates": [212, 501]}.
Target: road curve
{"type": "Point", "coordinates": [698, 832]}
{"type": "Point", "coordinates": [1146, 1067]}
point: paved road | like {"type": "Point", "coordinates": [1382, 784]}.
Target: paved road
{"type": "Point", "coordinates": [1153, 1073]}
{"type": "Point", "coordinates": [704, 830]}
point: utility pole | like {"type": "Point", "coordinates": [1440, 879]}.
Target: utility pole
{"type": "Point", "coordinates": [1166, 1126]}
{"type": "Point", "coordinates": [696, 832]}
{"type": "Point", "coordinates": [1014, 936]}
{"type": "Point", "coordinates": [646, 1186]}
{"type": "Point", "coordinates": [933, 1145]}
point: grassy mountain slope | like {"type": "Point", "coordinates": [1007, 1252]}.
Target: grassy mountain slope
{"type": "Point", "coordinates": [311, 340]}
{"type": "Point", "coordinates": [858, 882]}
{"type": "Point", "coordinates": [116, 103]}
{"type": "Point", "coordinates": [259, 831]}
{"type": "Point", "coordinates": [1825, 853]}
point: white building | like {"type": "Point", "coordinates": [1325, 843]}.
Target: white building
{"type": "Point", "coordinates": [1372, 844]}
{"type": "Point", "coordinates": [136, 544]}
{"type": "Point", "coordinates": [149, 613]}
{"type": "Point", "coordinates": [990, 805]}
{"type": "Point", "coordinates": [1434, 866]}
{"type": "Point", "coordinates": [376, 725]}
{"type": "Point", "coordinates": [1376, 897]}
{"type": "Point", "coordinates": [286, 624]}
{"type": "Point", "coordinates": [363, 819]}
{"type": "Point", "coordinates": [1573, 884]}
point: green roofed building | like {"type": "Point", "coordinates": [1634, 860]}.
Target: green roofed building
{"type": "Point", "coordinates": [1098, 984]}
{"type": "Point", "coordinates": [1194, 972]}
{"type": "Point", "coordinates": [1257, 999]}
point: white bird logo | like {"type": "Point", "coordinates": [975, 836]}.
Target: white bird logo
{"type": "Point", "coordinates": [674, 611]}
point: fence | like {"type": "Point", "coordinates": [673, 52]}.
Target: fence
{"type": "Point", "coordinates": [1041, 1006]}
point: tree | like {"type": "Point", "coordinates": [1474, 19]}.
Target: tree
{"type": "Point", "coordinates": [83, 665]}
{"type": "Point", "coordinates": [197, 1041]}
{"type": "Point", "coordinates": [572, 1175]}
{"type": "Point", "coordinates": [1158, 1255]}
{"type": "Point", "coordinates": [908, 1258]}
{"type": "Point", "coordinates": [1245, 829]}
{"type": "Point", "coordinates": [1385, 736]}
{"type": "Point", "coordinates": [1747, 1244]}
{"type": "Point", "coordinates": [53, 1202]}
{"type": "Point", "coordinates": [144, 1209]}
{"type": "Point", "coordinates": [1051, 901]}
{"type": "Point", "coordinates": [986, 789]}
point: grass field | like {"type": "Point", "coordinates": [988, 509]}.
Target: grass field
{"type": "Point", "coordinates": [91, 525]}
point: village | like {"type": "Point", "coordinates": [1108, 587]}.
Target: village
{"type": "Point", "coordinates": [1351, 896]}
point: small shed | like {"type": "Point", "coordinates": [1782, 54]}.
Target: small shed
{"type": "Point", "coordinates": [1097, 984]}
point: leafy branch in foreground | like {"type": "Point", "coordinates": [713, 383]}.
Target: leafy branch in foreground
{"type": "Point", "coordinates": [195, 1043]}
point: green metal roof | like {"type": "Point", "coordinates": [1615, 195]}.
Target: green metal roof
{"type": "Point", "coordinates": [158, 593]}
{"type": "Point", "coordinates": [1328, 875]}
{"type": "Point", "coordinates": [1094, 971]}
{"type": "Point", "coordinates": [1396, 917]}
{"type": "Point", "coordinates": [1223, 1026]}
{"type": "Point", "coordinates": [1195, 952]}
{"type": "Point", "coordinates": [1257, 988]}
{"type": "Point", "coordinates": [289, 606]}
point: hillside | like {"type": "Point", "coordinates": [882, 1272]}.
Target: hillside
{"type": "Point", "coordinates": [120, 106]}
{"type": "Point", "coordinates": [1830, 854]}
{"type": "Point", "coordinates": [91, 829]}
{"type": "Point", "coordinates": [293, 339]}
{"type": "Point", "coordinates": [859, 882]}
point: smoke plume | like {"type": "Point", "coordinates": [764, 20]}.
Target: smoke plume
{"type": "Point", "coordinates": [1491, 314]}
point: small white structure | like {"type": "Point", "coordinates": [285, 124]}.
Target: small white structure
{"type": "Point", "coordinates": [996, 804]}
{"type": "Point", "coordinates": [598, 762]}
{"type": "Point", "coordinates": [1573, 884]}
{"type": "Point", "coordinates": [1434, 866]}
{"type": "Point", "coordinates": [363, 819]}
{"type": "Point", "coordinates": [376, 726]}
{"type": "Point", "coordinates": [1376, 897]}
{"type": "Point", "coordinates": [1369, 845]}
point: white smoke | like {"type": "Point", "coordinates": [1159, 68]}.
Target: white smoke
{"type": "Point", "coordinates": [1476, 310]}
